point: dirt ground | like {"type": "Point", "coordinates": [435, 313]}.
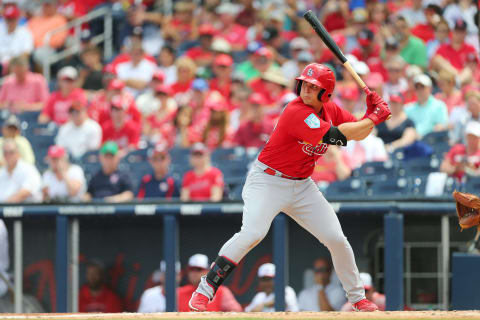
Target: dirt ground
{"type": "Point", "coordinates": [241, 316]}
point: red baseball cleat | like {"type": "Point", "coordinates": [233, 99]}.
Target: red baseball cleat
{"type": "Point", "coordinates": [364, 305]}
{"type": "Point", "coordinates": [198, 302]}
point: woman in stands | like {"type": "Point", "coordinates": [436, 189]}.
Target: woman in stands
{"type": "Point", "coordinates": [400, 131]}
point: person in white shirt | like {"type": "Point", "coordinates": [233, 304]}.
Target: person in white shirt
{"type": "Point", "coordinates": [156, 97]}
{"type": "Point", "coordinates": [15, 40]}
{"type": "Point", "coordinates": [137, 72]}
{"type": "Point", "coordinates": [19, 180]}
{"type": "Point", "coordinates": [80, 134]}
{"type": "Point", "coordinates": [63, 181]}
{"type": "Point", "coordinates": [264, 301]}
{"type": "Point", "coordinates": [326, 293]}
{"type": "Point", "coordinates": [153, 299]}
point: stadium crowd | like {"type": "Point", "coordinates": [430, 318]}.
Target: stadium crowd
{"type": "Point", "coordinates": [216, 76]}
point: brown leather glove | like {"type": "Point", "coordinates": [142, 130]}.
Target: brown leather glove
{"type": "Point", "coordinates": [468, 209]}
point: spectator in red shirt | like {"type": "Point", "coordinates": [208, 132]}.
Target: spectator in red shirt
{"type": "Point", "coordinates": [368, 48]}
{"type": "Point", "coordinates": [426, 31]}
{"type": "Point", "coordinates": [464, 158]}
{"type": "Point", "coordinates": [452, 56]}
{"type": "Point", "coordinates": [442, 36]}
{"type": "Point", "coordinates": [216, 132]}
{"type": "Point", "coordinates": [119, 128]}
{"type": "Point", "coordinates": [234, 33]}
{"type": "Point", "coordinates": [448, 92]}
{"type": "Point", "coordinates": [256, 129]}
{"type": "Point", "coordinates": [23, 90]}
{"type": "Point", "coordinates": [222, 69]}
{"type": "Point", "coordinates": [94, 295]}
{"type": "Point", "coordinates": [59, 103]}
{"type": "Point", "coordinates": [186, 69]}
{"type": "Point", "coordinates": [274, 88]}
{"type": "Point", "coordinates": [202, 54]}
{"type": "Point", "coordinates": [204, 182]}
{"type": "Point", "coordinates": [349, 97]}
{"type": "Point", "coordinates": [197, 267]}
{"type": "Point", "coordinates": [100, 106]}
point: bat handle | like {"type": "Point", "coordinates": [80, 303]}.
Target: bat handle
{"type": "Point", "coordinates": [366, 90]}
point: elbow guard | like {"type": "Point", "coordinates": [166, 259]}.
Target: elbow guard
{"type": "Point", "coordinates": [334, 137]}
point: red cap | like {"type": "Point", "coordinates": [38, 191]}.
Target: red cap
{"type": "Point", "coordinates": [56, 151]}
{"type": "Point", "coordinates": [116, 84]}
{"type": "Point", "coordinates": [264, 52]}
{"type": "Point", "coordinates": [109, 68]}
{"type": "Point", "coordinates": [257, 98]}
{"type": "Point", "coordinates": [159, 75]}
{"type": "Point", "coordinates": [79, 100]}
{"type": "Point", "coordinates": [206, 30]}
{"type": "Point", "coordinates": [396, 97]}
{"type": "Point", "coordinates": [223, 60]}
{"type": "Point", "coordinates": [11, 12]}
{"type": "Point", "coordinates": [164, 89]}
{"type": "Point", "coordinates": [339, 39]}
{"type": "Point", "coordinates": [349, 93]}
{"type": "Point", "coordinates": [118, 102]}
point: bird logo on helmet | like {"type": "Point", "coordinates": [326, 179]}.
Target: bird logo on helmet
{"type": "Point", "coordinates": [320, 76]}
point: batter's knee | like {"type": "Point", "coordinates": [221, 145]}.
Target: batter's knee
{"type": "Point", "coordinates": [254, 235]}
{"type": "Point", "coordinates": [335, 241]}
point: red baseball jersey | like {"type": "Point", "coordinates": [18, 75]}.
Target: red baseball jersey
{"type": "Point", "coordinates": [296, 142]}
{"type": "Point", "coordinates": [200, 186]}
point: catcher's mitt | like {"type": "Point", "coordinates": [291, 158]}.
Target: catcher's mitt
{"type": "Point", "coordinates": [468, 209]}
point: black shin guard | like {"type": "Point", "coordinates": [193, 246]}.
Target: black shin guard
{"type": "Point", "coordinates": [220, 270]}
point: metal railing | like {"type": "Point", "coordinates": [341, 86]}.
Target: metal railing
{"type": "Point", "coordinates": [75, 47]}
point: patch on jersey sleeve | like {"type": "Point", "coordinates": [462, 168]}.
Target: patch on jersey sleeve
{"type": "Point", "coordinates": [312, 121]}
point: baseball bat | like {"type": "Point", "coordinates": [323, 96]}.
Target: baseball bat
{"type": "Point", "coordinates": [330, 43]}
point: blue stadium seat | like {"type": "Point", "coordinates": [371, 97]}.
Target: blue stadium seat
{"type": "Point", "coordinates": [419, 166]}
{"type": "Point", "coordinates": [30, 117]}
{"type": "Point", "coordinates": [228, 154]}
{"type": "Point", "coordinates": [136, 170]}
{"type": "Point", "coordinates": [348, 188]}
{"type": "Point", "coordinates": [436, 137]}
{"type": "Point", "coordinates": [473, 185]}
{"type": "Point", "coordinates": [234, 168]}
{"type": "Point", "coordinates": [418, 184]}
{"type": "Point", "coordinates": [391, 188]}
{"type": "Point", "coordinates": [452, 184]}
{"type": "Point", "coordinates": [180, 156]}
{"type": "Point", "coordinates": [236, 193]}
{"type": "Point", "coordinates": [376, 168]}
{"type": "Point", "coordinates": [90, 163]}
{"type": "Point", "coordinates": [136, 156]}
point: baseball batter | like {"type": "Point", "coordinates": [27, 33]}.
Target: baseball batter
{"type": "Point", "coordinates": [280, 181]}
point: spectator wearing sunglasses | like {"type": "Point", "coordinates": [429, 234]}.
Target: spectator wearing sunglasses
{"type": "Point", "coordinates": [326, 293]}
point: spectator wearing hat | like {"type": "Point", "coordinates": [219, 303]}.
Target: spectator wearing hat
{"type": "Point", "coordinates": [349, 97]}
{"type": "Point", "coordinates": [15, 40]}
{"type": "Point", "coordinates": [441, 36]}
{"type": "Point", "coordinates": [260, 60]}
{"type": "Point", "coordinates": [400, 131]}
{"type": "Point", "coordinates": [23, 90]}
{"type": "Point", "coordinates": [274, 87]}
{"type": "Point", "coordinates": [80, 134]}
{"type": "Point", "coordinates": [368, 49]}
{"type": "Point", "coordinates": [110, 183]}
{"type": "Point", "coordinates": [40, 24]}
{"type": "Point", "coordinates": [255, 130]}
{"type": "Point", "coordinates": [428, 113]}
{"type": "Point", "coordinates": [137, 72]}
{"type": "Point", "coordinates": [11, 130]}
{"type": "Point", "coordinates": [120, 129]}
{"type": "Point", "coordinates": [159, 184]}
{"type": "Point", "coordinates": [19, 180]}
{"type": "Point", "coordinates": [464, 159]}
{"type": "Point", "coordinates": [148, 102]}
{"type": "Point", "coordinates": [95, 295]}
{"type": "Point", "coordinates": [153, 299]}
{"type": "Point", "coordinates": [158, 127]}
{"type": "Point", "coordinates": [264, 300]}
{"type": "Point", "coordinates": [202, 54]}
{"type": "Point", "coordinates": [396, 81]}
{"type": "Point", "coordinates": [412, 49]}
{"type": "Point", "coordinates": [326, 292]}
{"type": "Point", "coordinates": [101, 104]}
{"type": "Point", "coordinates": [186, 69]}
{"type": "Point", "coordinates": [166, 63]}
{"type": "Point", "coordinates": [370, 293]}
{"type": "Point", "coordinates": [461, 115]}
{"type": "Point", "coordinates": [426, 30]}
{"type": "Point", "coordinates": [63, 181]}
{"type": "Point", "coordinates": [59, 103]}
{"type": "Point", "coordinates": [411, 72]}
{"type": "Point", "coordinates": [222, 70]}
{"type": "Point", "coordinates": [290, 67]}
{"type": "Point", "coordinates": [204, 182]}
{"type": "Point", "coordinates": [465, 10]}
{"type": "Point", "coordinates": [448, 92]}
{"type": "Point", "coordinates": [91, 69]}
{"type": "Point", "coordinates": [229, 30]}
{"type": "Point", "coordinates": [197, 267]}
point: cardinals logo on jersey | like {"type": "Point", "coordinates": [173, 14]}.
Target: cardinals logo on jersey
{"type": "Point", "coordinates": [311, 150]}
